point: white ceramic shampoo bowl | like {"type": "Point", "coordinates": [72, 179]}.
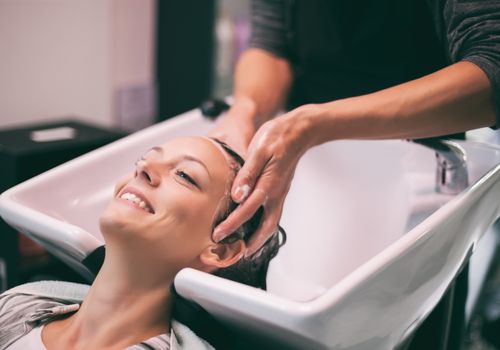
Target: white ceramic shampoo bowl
{"type": "Point", "coordinates": [371, 247]}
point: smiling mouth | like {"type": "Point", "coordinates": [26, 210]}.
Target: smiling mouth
{"type": "Point", "coordinates": [137, 201]}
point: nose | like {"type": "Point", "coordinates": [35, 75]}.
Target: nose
{"type": "Point", "coordinates": [147, 171]}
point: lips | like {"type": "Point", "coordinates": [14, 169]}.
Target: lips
{"type": "Point", "coordinates": [138, 199]}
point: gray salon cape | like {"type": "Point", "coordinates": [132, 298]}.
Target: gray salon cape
{"type": "Point", "coordinates": [33, 304]}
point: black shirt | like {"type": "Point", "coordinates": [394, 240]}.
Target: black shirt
{"type": "Point", "coordinates": [342, 48]}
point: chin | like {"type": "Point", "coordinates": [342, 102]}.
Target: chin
{"type": "Point", "coordinates": [116, 220]}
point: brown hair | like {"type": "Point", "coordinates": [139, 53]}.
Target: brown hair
{"type": "Point", "coordinates": [250, 270]}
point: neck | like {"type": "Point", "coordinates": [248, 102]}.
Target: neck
{"type": "Point", "coordinates": [125, 305]}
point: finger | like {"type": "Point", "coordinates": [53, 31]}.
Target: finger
{"type": "Point", "coordinates": [248, 175]}
{"type": "Point", "coordinates": [268, 228]}
{"type": "Point", "coordinates": [240, 215]}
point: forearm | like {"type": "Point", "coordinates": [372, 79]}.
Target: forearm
{"type": "Point", "coordinates": [453, 99]}
{"type": "Point", "coordinates": [262, 82]}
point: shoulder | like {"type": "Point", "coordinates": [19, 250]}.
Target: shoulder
{"type": "Point", "coordinates": [184, 338]}
{"type": "Point", "coordinates": [70, 291]}
{"type": "Point", "coordinates": [27, 298]}
{"type": "Point", "coordinates": [25, 305]}
{"type": "Point", "coordinates": [180, 338]}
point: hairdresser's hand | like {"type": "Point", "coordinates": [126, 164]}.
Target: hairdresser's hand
{"type": "Point", "coordinates": [237, 127]}
{"type": "Point", "coordinates": [265, 178]}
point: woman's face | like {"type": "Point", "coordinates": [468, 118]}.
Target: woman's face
{"type": "Point", "coordinates": [165, 209]}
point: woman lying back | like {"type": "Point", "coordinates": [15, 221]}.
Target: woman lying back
{"type": "Point", "coordinates": [159, 221]}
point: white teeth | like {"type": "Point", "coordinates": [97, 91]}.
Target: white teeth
{"type": "Point", "coordinates": [133, 198]}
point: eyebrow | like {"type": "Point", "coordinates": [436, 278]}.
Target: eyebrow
{"type": "Point", "coordinates": [196, 160]}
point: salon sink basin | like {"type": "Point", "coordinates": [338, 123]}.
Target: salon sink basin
{"type": "Point", "coordinates": [371, 246]}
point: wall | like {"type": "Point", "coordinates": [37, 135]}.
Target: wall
{"type": "Point", "coordinates": [232, 30]}
{"type": "Point", "coordinates": [63, 58]}
{"type": "Point", "coordinates": [133, 31]}
{"type": "Point", "coordinates": [133, 68]}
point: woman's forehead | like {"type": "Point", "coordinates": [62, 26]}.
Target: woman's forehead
{"type": "Point", "coordinates": [203, 148]}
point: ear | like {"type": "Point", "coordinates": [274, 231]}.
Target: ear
{"type": "Point", "coordinates": [221, 255]}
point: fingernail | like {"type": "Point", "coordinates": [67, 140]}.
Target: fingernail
{"type": "Point", "coordinates": [241, 193]}
{"type": "Point", "coordinates": [219, 234]}
{"type": "Point", "coordinates": [249, 253]}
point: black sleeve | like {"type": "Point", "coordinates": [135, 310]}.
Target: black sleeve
{"type": "Point", "coordinates": [472, 33]}
{"type": "Point", "coordinates": [270, 26]}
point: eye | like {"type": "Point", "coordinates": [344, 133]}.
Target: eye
{"type": "Point", "coordinates": [186, 177]}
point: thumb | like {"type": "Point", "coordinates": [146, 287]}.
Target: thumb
{"type": "Point", "coordinates": [248, 175]}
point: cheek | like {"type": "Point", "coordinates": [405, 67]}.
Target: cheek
{"type": "Point", "coordinates": [177, 245]}
{"type": "Point", "coordinates": [186, 204]}
{"type": "Point", "coordinates": [124, 180]}
{"type": "Point", "coordinates": [186, 228]}
{"type": "Point", "coordinates": [190, 211]}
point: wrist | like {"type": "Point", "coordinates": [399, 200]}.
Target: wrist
{"type": "Point", "coordinates": [310, 119]}
{"type": "Point", "coordinates": [298, 123]}
{"type": "Point", "coordinates": [337, 120]}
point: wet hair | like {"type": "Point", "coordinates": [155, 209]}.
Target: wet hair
{"type": "Point", "coordinates": [250, 270]}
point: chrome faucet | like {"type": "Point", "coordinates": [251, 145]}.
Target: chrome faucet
{"type": "Point", "coordinates": [451, 172]}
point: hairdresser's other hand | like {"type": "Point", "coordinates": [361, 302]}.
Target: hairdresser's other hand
{"type": "Point", "coordinates": [265, 178]}
{"type": "Point", "coordinates": [237, 127]}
